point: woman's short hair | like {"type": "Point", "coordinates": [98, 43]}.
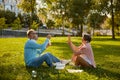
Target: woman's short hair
{"type": "Point", "coordinates": [87, 37]}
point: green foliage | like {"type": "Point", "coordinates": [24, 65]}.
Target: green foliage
{"type": "Point", "coordinates": [27, 19]}
{"type": "Point", "coordinates": [34, 25]}
{"type": "Point", "coordinates": [79, 10]}
{"type": "Point", "coordinates": [35, 18]}
{"type": "Point", "coordinates": [108, 7]}
{"type": "Point", "coordinates": [107, 23]}
{"type": "Point", "coordinates": [2, 13]}
{"type": "Point", "coordinates": [27, 5]}
{"type": "Point", "coordinates": [2, 23]}
{"type": "Point", "coordinates": [16, 25]}
{"type": "Point", "coordinates": [95, 20]}
{"type": "Point", "coordinates": [50, 24]}
{"type": "Point", "coordinates": [117, 19]}
{"type": "Point", "coordinates": [21, 17]}
{"type": "Point", "coordinates": [8, 15]}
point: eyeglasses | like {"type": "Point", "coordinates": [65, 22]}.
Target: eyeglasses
{"type": "Point", "coordinates": [33, 33]}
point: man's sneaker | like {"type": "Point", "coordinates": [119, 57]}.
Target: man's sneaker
{"type": "Point", "coordinates": [65, 61]}
{"type": "Point", "coordinates": [54, 64]}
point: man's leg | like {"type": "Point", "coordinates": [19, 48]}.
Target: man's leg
{"type": "Point", "coordinates": [38, 61]}
{"type": "Point", "coordinates": [53, 58]}
{"type": "Point", "coordinates": [82, 62]}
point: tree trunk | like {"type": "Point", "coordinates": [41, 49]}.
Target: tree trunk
{"type": "Point", "coordinates": [81, 30]}
{"type": "Point", "coordinates": [93, 31]}
{"type": "Point", "coordinates": [113, 33]}
{"type": "Point", "coordinates": [118, 29]}
{"type": "Point", "coordinates": [32, 11]}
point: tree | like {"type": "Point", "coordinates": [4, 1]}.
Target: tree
{"type": "Point", "coordinates": [79, 12]}
{"type": "Point", "coordinates": [9, 16]}
{"type": "Point", "coordinates": [108, 7]}
{"type": "Point", "coordinates": [28, 6]}
{"type": "Point", "coordinates": [16, 25]}
{"type": "Point", "coordinates": [58, 9]}
{"type": "Point", "coordinates": [2, 13]}
{"type": "Point", "coordinates": [95, 20]}
{"type": "Point", "coordinates": [112, 13]}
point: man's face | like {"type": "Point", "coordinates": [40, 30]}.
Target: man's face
{"type": "Point", "coordinates": [33, 35]}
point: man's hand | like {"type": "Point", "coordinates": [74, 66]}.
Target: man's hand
{"type": "Point", "coordinates": [49, 36]}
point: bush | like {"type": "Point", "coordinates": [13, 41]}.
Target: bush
{"type": "Point", "coordinates": [2, 23]}
{"type": "Point", "coordinates": [34, 25]}
{"type": "Point", "coordinates": [16, 25]}
{"type": "Point", "coordinates": [97, 34]}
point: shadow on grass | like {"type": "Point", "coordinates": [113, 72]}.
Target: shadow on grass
{"type": "Point", "coordinates": [21, 72]}
{"type": "Point", "coordinates": [103, 50]}
{"type": "Point", "coordinates": [43, 73]}
{"type": "Point", "coordinates": [50, 73]}
{"type": "Point", "coordinates": [103, 73]}
{"type": "Point", "coordinates": [105, 39]}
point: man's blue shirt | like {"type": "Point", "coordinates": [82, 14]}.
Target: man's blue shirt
{"type": "Point", "coordinates": [32, 49]}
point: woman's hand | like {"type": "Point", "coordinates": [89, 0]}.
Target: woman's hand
{"type": "Point", "coordinates": [69, 39]}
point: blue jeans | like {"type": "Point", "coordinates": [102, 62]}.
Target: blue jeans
{"type": "Point", "coordinates": [48, 58]}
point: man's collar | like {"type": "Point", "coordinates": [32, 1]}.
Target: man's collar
{"type": "Point", "coordinates": [32, 40]}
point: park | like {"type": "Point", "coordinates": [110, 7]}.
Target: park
{"type": "Point", "coordinates": [106, 52]}
{"type": "Point", "coordinates": [60, 18]}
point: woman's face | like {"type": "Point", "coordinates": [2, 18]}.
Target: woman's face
{"type": "Point", "coordinates": [83, 39]}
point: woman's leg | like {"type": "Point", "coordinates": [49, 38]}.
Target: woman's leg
{"type": "Point", "coordinates": [82, 62]}
{"type": "Point", "coordinates": [74, 58]}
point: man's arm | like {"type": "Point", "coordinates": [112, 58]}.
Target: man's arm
{"type": "Point", "coordinates": [34, 45]}
{"type": "Point", "coordinates": [45, 44]}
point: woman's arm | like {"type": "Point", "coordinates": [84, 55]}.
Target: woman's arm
{"type": "Point", "coordinates": [76, 50]}
{"type": "Point", "coordinates": [72, 46]}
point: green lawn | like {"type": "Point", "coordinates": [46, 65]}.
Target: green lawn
{"type": "Point", "coordinates": [106, 52]}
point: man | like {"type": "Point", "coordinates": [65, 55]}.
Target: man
{"type": "Point", "coordinates": [82, 55]}
{"type": "Point", "coordinates": [33, 51]}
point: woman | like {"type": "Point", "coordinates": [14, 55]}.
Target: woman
{"type": "Point", "coordinates": [82, 55]}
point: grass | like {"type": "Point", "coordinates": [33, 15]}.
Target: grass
{"type": "Point", "coordinates": [106, 52]}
